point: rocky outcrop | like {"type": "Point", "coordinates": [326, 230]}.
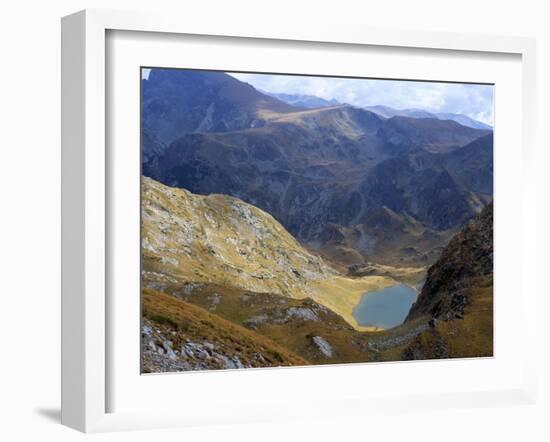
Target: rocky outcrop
{"type": "Point", "coordinates": [469, 255]}
{"type": "Point", "coordinates": [219, 239]}
{"type": "Point", "coordinates": [323, 346]}
{"type": "Point", "coordinates": [159, 354]}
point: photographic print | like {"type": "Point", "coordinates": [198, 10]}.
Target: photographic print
{"type": "Point", "coordinates": [294, 220]}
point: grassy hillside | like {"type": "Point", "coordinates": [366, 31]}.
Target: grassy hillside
{"type": "Point", "coordinates": [189, 240]}
{"type": "Point", "coordinates": [458, 296]}
{"type": "Point", "coordinates": [295, 324]}
{"type": "Point", "coordinates": [179, 336]}
{"type": "Point", "coordinates": [464, 337]}
{"type": "Point", "coordinates": [225, 286]}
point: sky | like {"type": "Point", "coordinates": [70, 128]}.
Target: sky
{"type": "Point", "coordinates": [475, 101]}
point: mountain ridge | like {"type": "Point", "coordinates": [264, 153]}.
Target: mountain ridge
{"type": "Point", "coordinates": [464, 120]}
{"type": "Point", "coordinates": [176, 102]}
{"type": "Point", "coordinates": [312, 167]}
{"type": "Point", "coordinates": [189, 241]}
{"type": "Point", "coordinates": [303, 100]}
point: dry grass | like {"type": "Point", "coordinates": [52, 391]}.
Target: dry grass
{"type": "Point", "coordinates": [195, 323]}
{"type": "Point", "coordinates": [293, 333]}
{"type": "Point", "coordinates": [221, 240]}
{"type": "Point", "coordinates": [408, 275]}
{"type": "Point", "coordinates": [471, 336]}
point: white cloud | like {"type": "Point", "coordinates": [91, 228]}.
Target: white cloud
{"type": "Point", "coordinates": [475, 101]}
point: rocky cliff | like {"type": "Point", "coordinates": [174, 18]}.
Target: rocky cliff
{"type": "Point", "coordinates": [467, 257]}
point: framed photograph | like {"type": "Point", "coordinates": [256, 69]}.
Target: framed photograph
{"type": "Point", "coordinates": [263, 223]}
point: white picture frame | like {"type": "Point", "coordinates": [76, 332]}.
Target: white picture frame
{"type": "Point", "coordinates": [86, 206]}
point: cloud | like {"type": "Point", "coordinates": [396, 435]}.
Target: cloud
{"type": "Point", "coordinates": [475, 101]}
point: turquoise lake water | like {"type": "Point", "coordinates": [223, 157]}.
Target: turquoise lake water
{"type": "Point", "coordinates": [385, 308]}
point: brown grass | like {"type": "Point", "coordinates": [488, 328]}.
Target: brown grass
{"type": "Point", "coordinates": [471, 336]}
{"type": "Point", "coordinates": [238, 306]}
{"type": "Point", "coordinates": [195, 323]}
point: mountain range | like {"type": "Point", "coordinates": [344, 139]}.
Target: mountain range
{"type": "Point", "coordinates": [303, 100]}
{"type": "Point", "coordinates": [347, 182]}
{"type": "Point", "coordinates": [266, 219]}
{"type": "Point", "coordinates": [464, 120]}
{"type": "Point", "coordinates": [312, 101]}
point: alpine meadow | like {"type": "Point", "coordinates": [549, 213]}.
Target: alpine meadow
{"type": "Point", "coordinates": [292, 220]}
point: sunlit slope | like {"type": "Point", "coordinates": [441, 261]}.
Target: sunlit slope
{"type": "Point", "coordinates": [194, 239]}
{"type": "Point", "coordinates": [194, 339]}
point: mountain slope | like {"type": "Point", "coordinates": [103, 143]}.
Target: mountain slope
{"type": "Point", "coordinates": [308, 168]}
{"type": "Point", "coordinates": [457, 297]}
{"type": "Point", "coordinates": [209, 238]}
{"type": "Point", "coordinates": [178, 336]}
{"type": "Point", "coordinates": [453, 314]}
{"type": "Point", "coordinates": [469, 335]}
{"type": "Point", "coordinates": [301, 167]}
{"type": "Point", "coordinates": [441, 191]}
{"type": "Point", "coordinates": [472, 165]}
{"type": "Point", "coordinates": [405, 134]}
{"type": "Point", "coordinates": [176, 102]}
{"type": "Point", "coordinates": [468, 255]}
{"type": "Point", "coordinates": [191, 246]}
{"type": "Point", "coordinates": [385, 236]}
{"type": "Point", "coordinates": [189, 241]}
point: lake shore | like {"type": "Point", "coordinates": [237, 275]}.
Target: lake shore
{"type": "Point", "coordinates": [342, 294]}
{"type": "Point", "coordinates": [385, 308]}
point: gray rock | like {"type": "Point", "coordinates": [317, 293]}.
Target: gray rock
{"type": "Point", "coordinates": [302, 313]}
{"type": "Point", "coordinates": [323, 346]}
{"type": "Point", "coordinates": [227, 363]}
{"type": "Point", "coordinates": [245, 298]}
{"type": "Point", "coordinates": [237, 362]}
{"type": "Point", "coordinates": [171, 354]}
{"type": "Point", "coordinates": [254, 321]}
{"type": "Point", "coordinates": [214, 298]}
{"type": "Point", "coordinates": [186, 351]}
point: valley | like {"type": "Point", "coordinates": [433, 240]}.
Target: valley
{"type": "Point", "coordinates": [268, 224]}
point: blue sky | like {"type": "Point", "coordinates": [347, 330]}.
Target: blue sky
{"type": "Point", "coordinates": [475, 101]}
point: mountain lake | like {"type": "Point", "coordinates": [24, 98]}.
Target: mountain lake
{"type": "Point", "coordinates": [385, 308]}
